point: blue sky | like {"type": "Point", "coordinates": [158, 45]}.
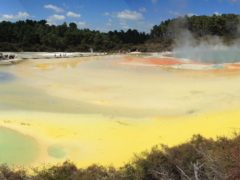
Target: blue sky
{"type": "Point", "coordinates": [105, 15]}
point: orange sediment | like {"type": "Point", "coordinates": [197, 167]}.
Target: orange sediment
{"type": "Point", "coordinates": [233, 66]}
{"type": "Point", "coordinates": [172, 62]}
{"type": "Point", "coordinates": [155, 61]}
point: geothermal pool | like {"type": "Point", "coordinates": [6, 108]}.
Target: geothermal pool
{"type": "Point", "coordinates": [209, 54]}
{"type": "Point", "coordinates": [106, 109]}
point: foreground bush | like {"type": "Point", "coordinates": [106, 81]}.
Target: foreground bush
{"type": "Point", "coordinates": [197, 159]}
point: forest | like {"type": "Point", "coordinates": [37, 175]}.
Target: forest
{"type": "Point", "coordinates": [33, 35]}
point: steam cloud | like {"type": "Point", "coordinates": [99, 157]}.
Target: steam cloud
{"type": "Point", "coordinates": [211, 49]}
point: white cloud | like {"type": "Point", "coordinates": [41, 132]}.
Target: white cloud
{"type": "Point", "coordinates": [191, 14]}
{"type": "Point", "coordinates": [14, 17]}
{"type": "Point", "coordinates": [55, 19]}
{"type": "Point", "coordinates": [81, 24]}
{"type": "Point", "coordinates": [109, 23]}
{"type": "Point", "coordinates": [217, 13]}
{"type": "Point", "coordinates": [73, 14]}
{"type": "Point", "coordinates": [124, 25]}
{"type": "Point", "coordinates": [129, 15]}
{"type": "Point", "coordinates": [54, 8]}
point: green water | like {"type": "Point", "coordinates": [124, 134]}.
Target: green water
{"type": "Point", "coordinates": [16, 148]}
{"type": "Point", "coordinates": [56, 151]}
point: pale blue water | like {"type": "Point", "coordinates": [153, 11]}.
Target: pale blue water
{"type": "Point", "coordinates": [5, 77]}
{"type": "Point", "coordinates": [209, 55]}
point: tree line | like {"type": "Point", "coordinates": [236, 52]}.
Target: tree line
{"type": "Point", "coordinates": [33, 35]}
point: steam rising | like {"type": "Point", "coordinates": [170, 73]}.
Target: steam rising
{"type": "Point", "coordinates": [211, 49]}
